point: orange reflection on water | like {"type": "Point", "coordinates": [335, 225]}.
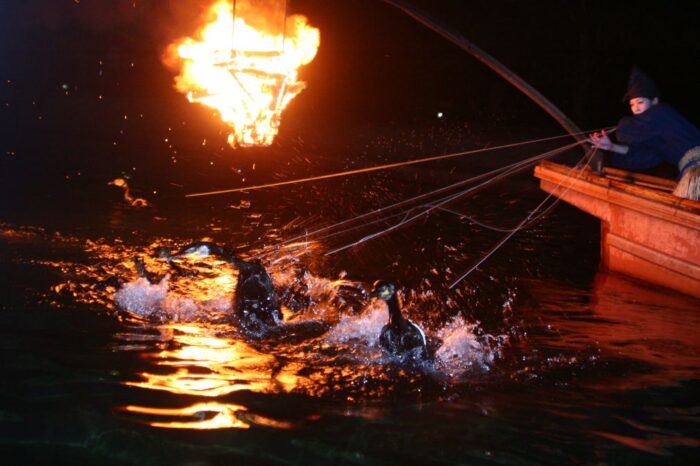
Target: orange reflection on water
{"type": "Point", "coordinates": [653, 325]}
{"type": "Point", "coordinates": [208, 365]}
{"type": "Point", "coordinates": [212, 415]}
{"type": "Point", "coordinates": [224, 417]}
{"type": "Point", "coordinates": [204, 364]}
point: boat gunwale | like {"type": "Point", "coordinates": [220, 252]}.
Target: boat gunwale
{"type": "Point", "coordinates": [617, 191]}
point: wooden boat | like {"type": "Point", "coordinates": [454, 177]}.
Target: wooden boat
{"type": "Point", "coordinates": [645, 231]}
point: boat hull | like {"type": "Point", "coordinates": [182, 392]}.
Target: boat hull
{"type": "Point", "coordinates": [646, 232]}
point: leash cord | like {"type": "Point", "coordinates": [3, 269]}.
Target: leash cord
{"type": "Point", "coordinates": [522, 224]}
{"type": "Point", "coordinates": [386, 166]}
{"type": "Point", "coordinates": [507, 171]}
{"type": "Point", "coordinates": [310, 234]}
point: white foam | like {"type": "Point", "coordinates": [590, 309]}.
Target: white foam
{"type": "Point", "coordinates": [461, 349]}
{"type": "Point", "coordinates": [141, 297]}
{"type": "Point", "coordinates": [155, 301]}
{"type": "Point", "coordinates": [364, 327]}
{"type": "Point", "coordinates": [179, 309]}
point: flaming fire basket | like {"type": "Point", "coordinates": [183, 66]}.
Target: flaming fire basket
{"type": "Point", "coordinates": [243, 68]}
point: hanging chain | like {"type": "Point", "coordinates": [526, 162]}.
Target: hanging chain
{"type": "Point", "coordinates": [233, 28]}
{"type": "Point", "coordinates": [284, 24]}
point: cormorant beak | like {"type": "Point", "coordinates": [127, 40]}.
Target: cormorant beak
{"type": "Point", "coordinates": [380, 293]}
{"type": "Point", "coordinates": [382, 290]}
{"type": "Point", "coordinates": [163, 252]}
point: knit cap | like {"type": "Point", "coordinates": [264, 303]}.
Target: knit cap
{"type": "Point", "coordinates": [640, 85]}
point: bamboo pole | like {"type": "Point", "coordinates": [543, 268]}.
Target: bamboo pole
{"type": "Point", "coordinates": [492, 63]}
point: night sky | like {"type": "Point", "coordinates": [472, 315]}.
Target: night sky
{"type": "Point", "coordinates": [84, 91]}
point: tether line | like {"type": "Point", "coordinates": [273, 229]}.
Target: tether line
{"type": "Point", "coordinates": [310, 234]}
{"type": "Point", "coordinates": [522, 224]}
{"type": "Point", "coordinates": [384, 167]}
{"type": "Point", "coordinates": [514, 168]}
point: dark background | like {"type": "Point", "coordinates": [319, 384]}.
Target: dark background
{"type": "Point", "coordinates": [85, 95]}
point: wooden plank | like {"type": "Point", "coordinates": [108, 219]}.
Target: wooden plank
{"type": "Point", "coordinates": [645, 233]}
{"type": "Point", "coordinates": [624, 179]}
{"type": "Point", "coordinates": [662, 183]}
{"type": "Point", "coordinates": [635, 190]}
{"type": "Point", "coordinates": [603, 192]}
{"type": "Point", "coordinates": [651, 266]}
{"type": "Point", "coordinates": [670, 263]}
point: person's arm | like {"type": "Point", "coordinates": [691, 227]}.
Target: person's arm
{"type": "Point", "coordinates": [602, 141]}
{"type": "Point", "coordinates": [639, 156]}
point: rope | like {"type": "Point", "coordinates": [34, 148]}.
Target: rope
{"type": "Point", "coordinates": [430, 207]}
{"type": "Point", "coordinates": [493, 227]}
{"type": "Point", "coordinates": [384, 167]}
{"type": "Point", "coordinates": [522, 224]}
{"type": "Point", "coordinates": [475, 221]}
{"type": "Point", "coordinates": [358, 227]}
{"type": "Point", "coordinates": [306, 235]}
{"type": "Point", "coordinates": [515, 168]}
{"type": "Point", "coordinates": [588, 157]}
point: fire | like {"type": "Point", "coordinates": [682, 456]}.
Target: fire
{"type": "Point", "coordinates": [248, 75]}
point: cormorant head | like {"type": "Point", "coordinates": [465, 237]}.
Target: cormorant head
{"type": "Point", "coordinates": [383, 289]}
{"type": "Point", "coordinates": [163, 252]}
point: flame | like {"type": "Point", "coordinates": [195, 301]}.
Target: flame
{"type": "Point", "coordinates": [246, 74]}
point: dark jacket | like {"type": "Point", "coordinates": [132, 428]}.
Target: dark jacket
{"type": "Point", "coordinates": [660, 134]}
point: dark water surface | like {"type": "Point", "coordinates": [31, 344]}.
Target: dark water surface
{"type": "Point", "coordinates": [540, 358]}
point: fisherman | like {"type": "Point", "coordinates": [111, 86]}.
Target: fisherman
{"type": "Point", "coordinates": [653, 134]}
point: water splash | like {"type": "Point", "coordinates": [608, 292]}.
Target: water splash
{"type": "Point", "coordinates": [465, 348]}
{"type": "Point", "coordinates": [157, 302]}
{"type": "Point", "coordinates": [364, 327]}
{"type": "Point", "coordinates": [142, 298]}
{"type": "Point", "coordinates": [338, 357]}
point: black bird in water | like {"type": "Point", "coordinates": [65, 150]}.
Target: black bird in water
{"type": "Point", "coordinates": [400, 337]}
{"type": "Point", "coordinates": [255, 303]}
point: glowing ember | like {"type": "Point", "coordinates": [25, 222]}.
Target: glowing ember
{"type": "Point", "coordinates": [249, 75]}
